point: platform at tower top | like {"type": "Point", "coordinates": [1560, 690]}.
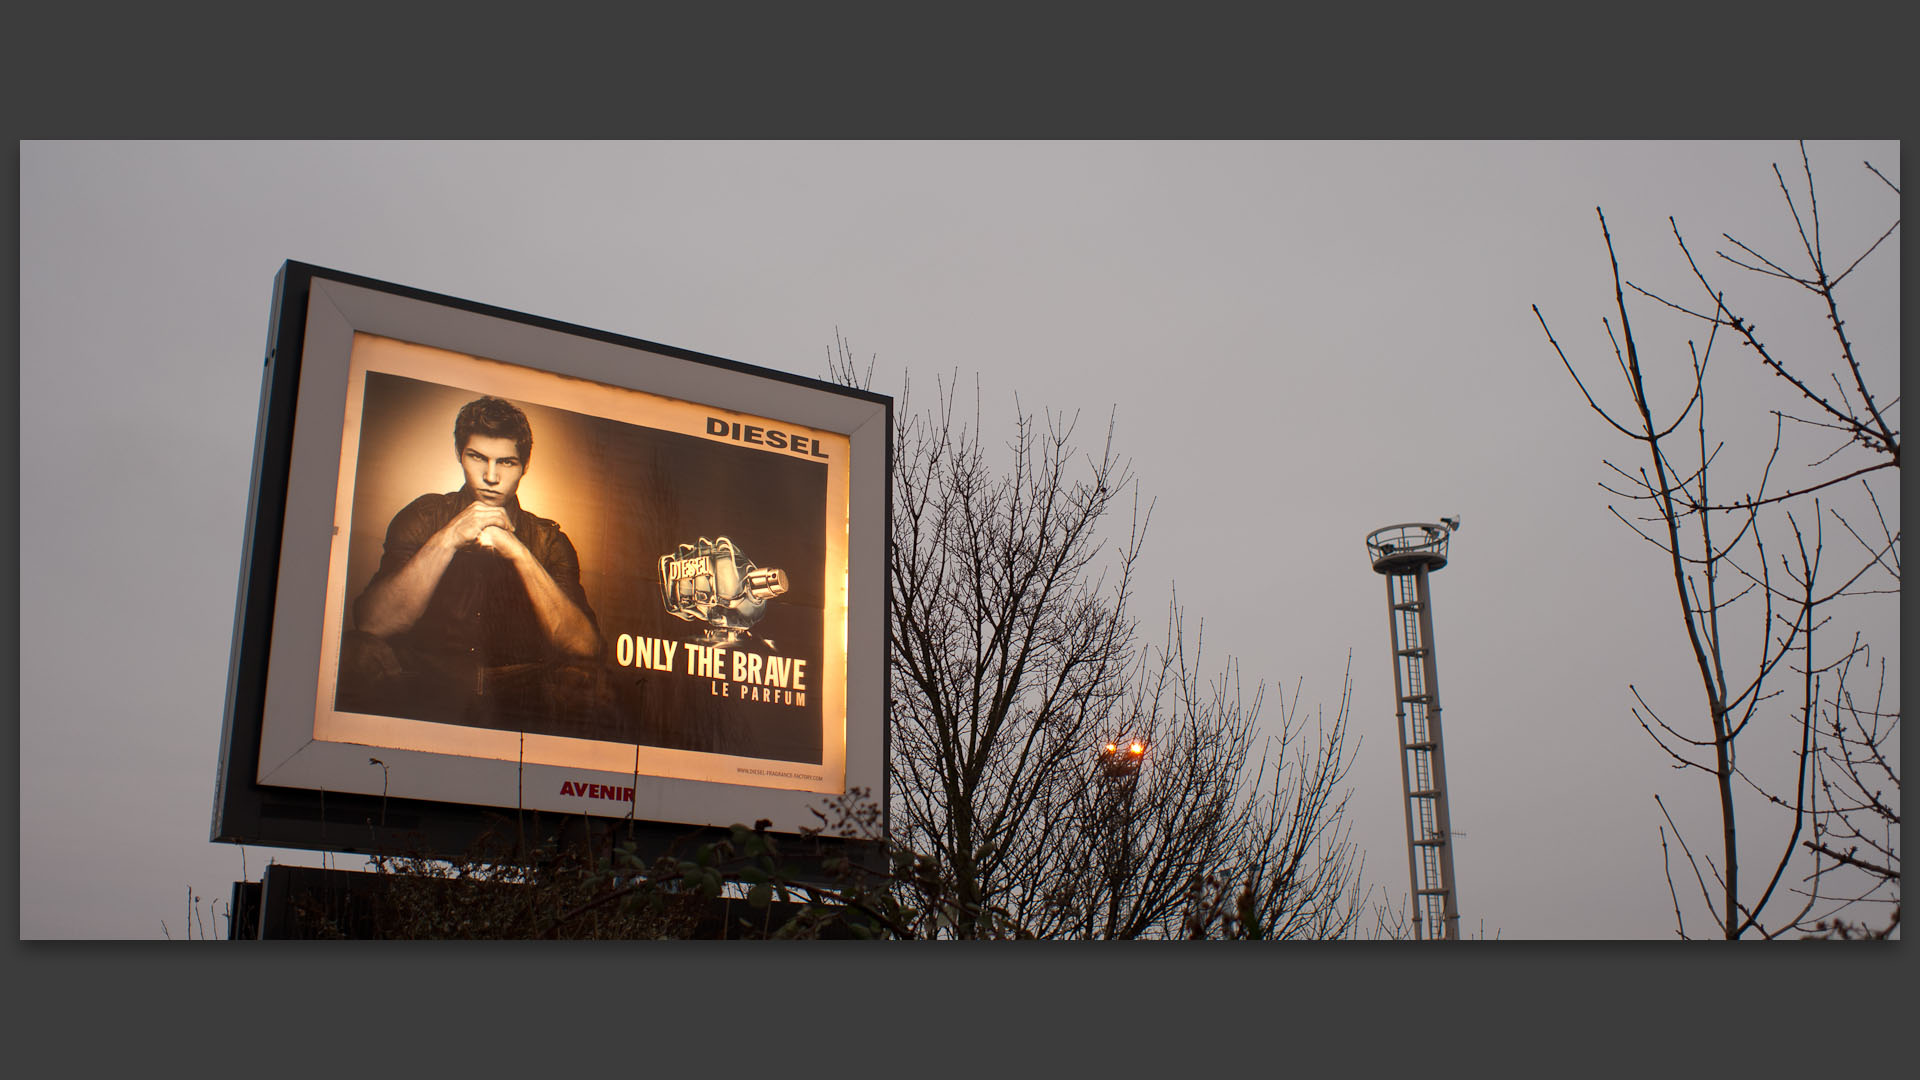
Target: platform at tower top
{"type": "Point", "coordinates": [1404, 549]}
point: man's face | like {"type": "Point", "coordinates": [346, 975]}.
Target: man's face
{"type": "Point", "coordinates": [493, 466]}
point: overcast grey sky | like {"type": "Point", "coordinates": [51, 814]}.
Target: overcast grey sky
{"type": "Point", "coordinates": [1300, 342]}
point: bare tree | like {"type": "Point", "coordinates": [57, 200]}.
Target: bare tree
{"type": "Point", "coordinates": [1053, 775]}
{"type": "Point", "coordinates": [1764, 583]}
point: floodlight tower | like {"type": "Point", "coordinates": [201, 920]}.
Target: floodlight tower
{"type": "Point", "coordinates": [1405, 555]}
{"type": "Point", "coordinates": [1120, 762]}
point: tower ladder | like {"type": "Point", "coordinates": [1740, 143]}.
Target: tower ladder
{"type": "Point", "coordinates": [1436, 913]}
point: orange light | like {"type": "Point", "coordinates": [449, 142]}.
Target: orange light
{"type": "Point", "coordinates": [1111, 748]}
{"type": "Point", "coordinates": [1137, 748]}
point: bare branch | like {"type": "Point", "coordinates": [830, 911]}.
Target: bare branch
{"type": "Point", "coordinates": [1576, 377]}
{"type": "Point", "coordinates": [1863, 255]}
{"type": "Point", "coordinates": [1882, 176]}
{"type": "Point", "coordinates": [1705, 893]}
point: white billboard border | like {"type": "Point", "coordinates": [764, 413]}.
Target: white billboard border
{"type": "Point", "coordinates": [338, 305]}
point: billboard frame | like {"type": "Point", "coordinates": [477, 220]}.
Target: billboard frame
{"type": "Point", "coordinates": [312, 308]}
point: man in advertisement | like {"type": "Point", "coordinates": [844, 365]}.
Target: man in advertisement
{"type": "Point", "coordinates": [476, 614]}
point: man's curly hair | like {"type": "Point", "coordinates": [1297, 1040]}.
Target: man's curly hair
{"type": "Point", "coordinates": [493, 418]}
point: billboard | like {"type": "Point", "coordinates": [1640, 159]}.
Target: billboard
{"type": "Point", "coordinates": [501, 564]}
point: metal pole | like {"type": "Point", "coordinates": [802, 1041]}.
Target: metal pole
{"type": "Point", "coordinates": [1443, 816]}
{"type": "Point", "coordinates": [1406, 784]}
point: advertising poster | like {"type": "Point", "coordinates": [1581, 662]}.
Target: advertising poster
{"type": "Point", "coordinates": [527, 566]}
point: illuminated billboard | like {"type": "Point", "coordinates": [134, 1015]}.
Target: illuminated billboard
{"type": "Point", "coordinates": [501, 564]}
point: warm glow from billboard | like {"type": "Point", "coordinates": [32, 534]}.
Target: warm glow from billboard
{"type": "Point", "coordinates": [629, 476]}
